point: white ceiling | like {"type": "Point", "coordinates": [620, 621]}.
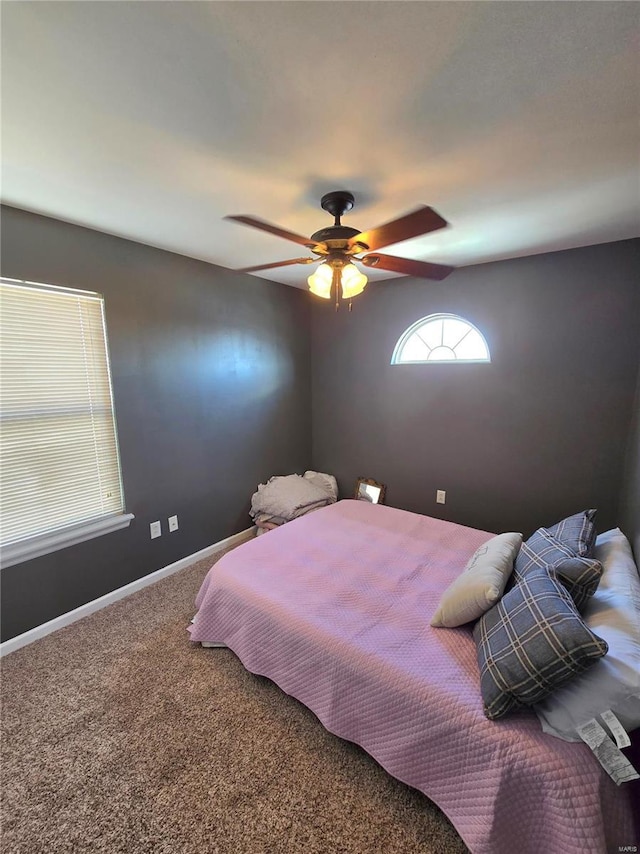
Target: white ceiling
{"type": "Point", "coordinates": [518, 122]}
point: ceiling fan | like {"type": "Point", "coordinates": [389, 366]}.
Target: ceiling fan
{"type": "Point", "coordinates": [337, 246]}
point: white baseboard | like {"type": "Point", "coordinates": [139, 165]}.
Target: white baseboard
{"type": "Point", "coordinates": [109, 598]}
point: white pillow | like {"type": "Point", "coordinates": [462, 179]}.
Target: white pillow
{"type": "Point", "coordinates": [481, 584]}
{"type": "Point", "coordinates": [613, 682]}
{"type": "Point", "coordinates": [324, 481]}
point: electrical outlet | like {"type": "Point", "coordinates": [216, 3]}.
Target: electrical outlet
{"type": "Point", "coordinates": [441, 496]}
{"type": "Point", "coordinates": [156, 530]}
{"type": "Point", "coordinates": [173, 523]}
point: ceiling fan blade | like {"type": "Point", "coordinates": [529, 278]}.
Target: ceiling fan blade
{"type": "Point", "coordinates": [422, 269]}
{"type": "Point", "coordinates": [272, 229]}
{"type": "Point", "coordinates": [421, 221]}
{"type": "Point", "coordinates": [277, 264]}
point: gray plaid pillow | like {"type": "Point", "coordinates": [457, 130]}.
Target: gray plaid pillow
{"type": "Point", "coordinates": [579, 575]}
{"type": "Point", "coordinates": [530, 642]}
{"type": "Point", "coordinates": [578, 532]}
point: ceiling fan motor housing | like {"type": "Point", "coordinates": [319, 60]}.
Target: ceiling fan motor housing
{"type": "Point", "coordinates": [342, 233]}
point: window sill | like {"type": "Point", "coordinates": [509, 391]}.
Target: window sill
{"type": "Point", "coordinates": [55, 540]}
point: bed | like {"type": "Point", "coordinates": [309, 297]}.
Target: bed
{"type": "Point", "coordinates": [334, 607]}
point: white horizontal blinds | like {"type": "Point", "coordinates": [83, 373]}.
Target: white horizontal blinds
{"type": "Point", "coordinates": [59, 461]}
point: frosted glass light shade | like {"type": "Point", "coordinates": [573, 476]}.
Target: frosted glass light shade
{"type": "Point", "coordinates": [320, 281]}
{"type": "Point", "coordinates": [353, 281]}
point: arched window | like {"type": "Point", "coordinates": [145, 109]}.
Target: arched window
{"type": "Point", "coordinates": [441, 338]}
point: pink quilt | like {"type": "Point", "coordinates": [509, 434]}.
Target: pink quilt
{"type": "Point", "coordinates": [335, 607]}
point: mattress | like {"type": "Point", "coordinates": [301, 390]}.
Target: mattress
{"type": "Point", "coordinates": [335, 608]}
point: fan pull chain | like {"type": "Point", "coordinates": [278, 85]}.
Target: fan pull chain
{"type": "Point", "coordinates": [337, 278]}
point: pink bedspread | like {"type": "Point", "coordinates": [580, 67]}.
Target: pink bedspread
{"type": "Point", "coordinates": [335, 608]}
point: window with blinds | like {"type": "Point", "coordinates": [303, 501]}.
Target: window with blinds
{"type": "Point", "coordinates": [59, 465]}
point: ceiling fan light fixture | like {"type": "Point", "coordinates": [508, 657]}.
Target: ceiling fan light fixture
{"type": "Point", "coordinates": [321, 280]}
{"type": "Point", "coordinates": [353, 281]}
{"type": "Point", "coordinates": [337, 244]}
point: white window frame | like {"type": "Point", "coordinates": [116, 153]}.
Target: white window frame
{"type": "Point", "coordinates": [420, 324]}
{"type": "Point", "coordinates": [54, 539]}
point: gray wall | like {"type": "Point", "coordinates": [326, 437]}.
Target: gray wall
{"type": "Point", "coordinates": [630, 513]}
{"type": "Point", "coordinates": [211, 378]}
{"type": "Point", "coordinates": [539, 433]}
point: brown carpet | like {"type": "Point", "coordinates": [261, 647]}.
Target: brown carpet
{"type": "Point", "coordinates": [118, 735]}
